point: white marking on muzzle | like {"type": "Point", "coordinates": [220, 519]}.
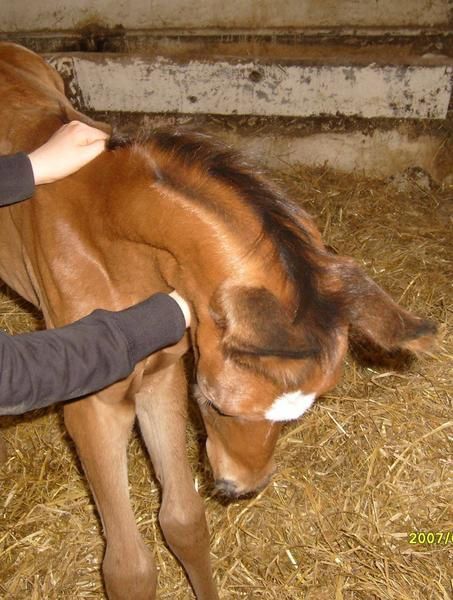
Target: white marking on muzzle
{"type": "Point", "coordinates": [290, 406]}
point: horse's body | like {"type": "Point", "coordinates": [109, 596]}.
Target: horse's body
{"type": "Point", "coordinates": [271, 311]}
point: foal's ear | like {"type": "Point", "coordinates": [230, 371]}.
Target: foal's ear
{"type": "Point", "coordinates": [378, 317]}
{"type": "Point", "coordinates": [255, 323]}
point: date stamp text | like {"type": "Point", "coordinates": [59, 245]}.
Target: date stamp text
{"type": "Point", "coordinates": [430, 537]}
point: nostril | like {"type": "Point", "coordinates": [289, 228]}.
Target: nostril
{"type": "Point", "coordinates": [229, 490]}
{"type": "Point", "coordinates": [226, 488]}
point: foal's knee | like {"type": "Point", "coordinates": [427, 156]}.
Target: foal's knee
{"type": "Point", "coordinates": [184, 524]}
{"type": "Point", "coordinates": [129, 575]}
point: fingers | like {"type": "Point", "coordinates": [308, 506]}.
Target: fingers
{"type": "Point", "coordinates": [183, 305]}
{"type": "Point", "coordinates": [85, 134]}
{"type": "Point", "coordinates": [91, 149]}
{"type": "Point", "coordinates": [78, 133]}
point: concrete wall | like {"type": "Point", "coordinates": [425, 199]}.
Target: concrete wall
{"type": "Point", "coordinates": [409, 80]}
{"type": "Point", "coordinates": [158, 85]}
{"type": "Point", "coordinates": [26, 15]}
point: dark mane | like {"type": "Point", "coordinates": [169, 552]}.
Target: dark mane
{"type": "Point", "coordinates": [281, 219]}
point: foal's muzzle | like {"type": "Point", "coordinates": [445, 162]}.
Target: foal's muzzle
{"type": "Point", "coordinates": [228, 489]}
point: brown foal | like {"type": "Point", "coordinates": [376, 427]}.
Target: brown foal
{"type": "Point", "coordinates": [272, 309]}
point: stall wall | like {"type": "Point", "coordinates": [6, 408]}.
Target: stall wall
{"type": "Point", "coordinates": [23, 15]}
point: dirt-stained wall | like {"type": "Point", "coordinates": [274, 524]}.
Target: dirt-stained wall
{"type": "Point", "coordinates": [23, 15]}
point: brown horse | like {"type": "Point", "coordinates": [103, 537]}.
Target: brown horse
{"type": "Point", "coordinates": [272, 309]}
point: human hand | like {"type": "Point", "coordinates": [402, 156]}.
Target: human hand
{"type": "Point", "coordinates": [182, 305]}
{"type": "Point", "coordinates": [69, 149]}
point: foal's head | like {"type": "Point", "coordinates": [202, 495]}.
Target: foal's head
{"type": "Point", "coordinates": [271, 335]}
{"type": "Point", "coordinates": [259, 366]}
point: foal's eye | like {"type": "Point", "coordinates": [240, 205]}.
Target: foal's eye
{"type": "Point", "coordinates": [215, 409]}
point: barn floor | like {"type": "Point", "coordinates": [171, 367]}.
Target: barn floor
{"type": "Point", "coordinates": [369, 464]}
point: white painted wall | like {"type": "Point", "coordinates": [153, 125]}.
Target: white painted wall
{"type": "Point", "coordinates": [159, 85]}
{"type": "Point", "coordinates": [34, 15]}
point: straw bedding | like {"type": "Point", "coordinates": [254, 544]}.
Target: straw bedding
{"type": "Point", "coordinates": [369, 464]}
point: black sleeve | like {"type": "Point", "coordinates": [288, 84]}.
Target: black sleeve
{"type": "Point", "coordinates": [38, 369]}
{"type": "Point", "coordinates": [16, 178]}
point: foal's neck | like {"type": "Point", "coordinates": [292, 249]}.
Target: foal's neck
{"type": "Point", "coordinates": [199, 242]}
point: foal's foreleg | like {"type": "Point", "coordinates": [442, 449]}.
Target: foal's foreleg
{"type": "Point", "coordinates": [101, 433]}
{"type": "Point", "coordinates": [161, 411]}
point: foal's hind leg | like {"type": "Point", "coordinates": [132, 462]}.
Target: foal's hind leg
{"type": "Point", "coordinates": [161, 411]}
{"type": "Point", "coordinates": [101, 433]}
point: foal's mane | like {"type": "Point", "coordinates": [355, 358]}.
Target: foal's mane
{"type": "Point", "coordinates": [173, 152]}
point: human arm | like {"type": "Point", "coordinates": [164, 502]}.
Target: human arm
{"type": "Point", "coordinates": [70, 148]}
{"type": "Point", "coordinates": [38, 369]}
{"type": "Point", "coordinates": [16, 178]}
